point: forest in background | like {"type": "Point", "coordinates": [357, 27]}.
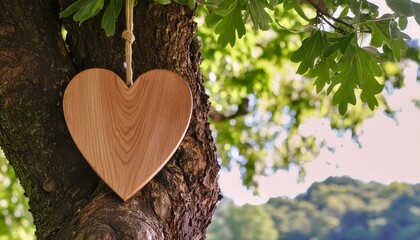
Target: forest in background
{"type": "Point", "coordinates": [337, 208]}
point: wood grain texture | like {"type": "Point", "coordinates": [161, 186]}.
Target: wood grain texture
{"type": "Point", "coordinates": [127, 134]}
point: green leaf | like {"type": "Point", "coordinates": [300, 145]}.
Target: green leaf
{"type": "Point", "coordinates": [344, 12]}
{"type": "Point", "coordinates": [402, 22]}
{"type": "Point", "coordinates": [310, 50]}
{"type": "Point", "coordinates": [163, 1]}
{"type": "Point", "coordinates": [260, 18]}
{"type": "Point", "coordinates": [225, 7]}
{"type": "Point", "coordinates": [405, 8]}
{"type": "Point", "coordinates": [401, 7]}
{"type": "Point", "coordinates": [295, 4]}
{"type": "Point", "coordinates": [110, 16]}
{"type": "Point", "coordinates": [388, 32]}
{"type": "Point", "coordinates": [212, 19]}
{"type": "Point", "coordinates": [191, 4]}
{"type": "Point", "coordinates": [396, 32]}
{"type": "Point", "coordinates": [341, 44]}
{"type": "Point", "coordinates": [362, 9]}
{"type": "Point", "coordinates": [369, 90]}
{"type": "Point", "coordinates": [370, 86]}
{"type": "Point", "coordinates": [372, 7]}
{"type": "Point", "coordinates": [322, 73]}
{"type": "Point", "coordinates": [398, 48]}
{"type": "Point", "coordinates": [228, 21]}
{"type": "Point", "coordinates": [347, 81]}
{"type": "Point", "coordinates": [416, 11]}
{"type": "Point", "coordinates": [372, 51]}
{"type": "Point", "coordinates": [357, 68]}
{"type": "Point", "coordinates": [88, 10]}
{"type": "Point", "coordinates": [380, 33]}
{"type": "Point", "coordinates": [70, 10]}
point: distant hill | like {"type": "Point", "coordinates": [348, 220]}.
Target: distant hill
{"type": "Point", "coordinates": [339, 208]}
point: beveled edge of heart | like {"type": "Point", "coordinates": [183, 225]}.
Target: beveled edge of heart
{"type": "Point", "coordinates": [136, 190]}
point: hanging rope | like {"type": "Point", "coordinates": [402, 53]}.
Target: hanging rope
{"type": "Point", "coordinates": [129, 38]}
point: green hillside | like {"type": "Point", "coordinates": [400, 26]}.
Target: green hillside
{"type": "Point", "coordinates": [339, 208]}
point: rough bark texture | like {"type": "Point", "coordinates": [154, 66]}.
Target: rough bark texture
{"type": "Point", "coordinates": [67, 200]}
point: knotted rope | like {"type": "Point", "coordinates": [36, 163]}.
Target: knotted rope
{"type": "Point", "coordinates": [129, 38]}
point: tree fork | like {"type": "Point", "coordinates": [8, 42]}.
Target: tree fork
{"type": "Point", "coordinates": [67, 199]}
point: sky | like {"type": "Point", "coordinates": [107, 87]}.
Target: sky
{"type": "Point", "coordinates": [390, 149]}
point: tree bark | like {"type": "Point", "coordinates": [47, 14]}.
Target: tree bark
{"type": "Point", "coordinates": [67, 199]}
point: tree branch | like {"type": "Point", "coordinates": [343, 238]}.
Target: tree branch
{"type": "Point", "coordinates": [323, 13]}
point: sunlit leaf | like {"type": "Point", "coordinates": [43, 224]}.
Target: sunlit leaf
{"type": "Point", "coordinates": [225, 7]}
{"type": "Point", "coordinates": [213, 19]}
{"type": "Point", "coordinates": [295, 4]}
{"type": "Point", "coordinates": [228, 22]}
{"type": "Point", "coordinates": [260, 18]}
{"type": "Point", "coordinates": [310, 50]}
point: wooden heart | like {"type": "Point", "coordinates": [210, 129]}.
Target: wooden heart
{"type": "Point", "coordinates": [127, 134]}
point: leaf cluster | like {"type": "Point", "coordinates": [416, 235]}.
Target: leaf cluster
{"type": "Point", "coordinates": [339, 61]}
{"type": "Point", "coordinates": [229, 18]}
{"type": "Point", "coordinates": [83, 10]}
{"type": "Point", "coordinates": [338, 53]}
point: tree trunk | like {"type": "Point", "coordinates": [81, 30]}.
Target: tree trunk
{"type": "Point", "coordinates": [67, 199]}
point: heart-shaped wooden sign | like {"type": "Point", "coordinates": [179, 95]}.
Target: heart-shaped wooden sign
{"type": "Point", "coordinates": [127, 134]}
